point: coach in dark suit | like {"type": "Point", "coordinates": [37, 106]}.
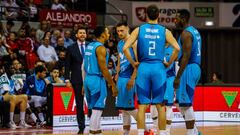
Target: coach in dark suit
{"type": "Point", "coordinates": [74, 74]}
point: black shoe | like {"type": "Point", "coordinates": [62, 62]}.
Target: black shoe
{"type": "Point", "coordinates": [80, 132]}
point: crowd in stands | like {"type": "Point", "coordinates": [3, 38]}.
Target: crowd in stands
{"type": "Point", "coordinates": [29, 9]}
{"type": "Point", "coordinates": [35, 57]}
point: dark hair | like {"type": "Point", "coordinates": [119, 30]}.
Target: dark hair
{"type": "Point", "coordinates": [122, 24]}
{"type": "Point", "coordinates": [40, 69]}
{"type": "Point", "coordinates": [99, 30]}
{"type": "Point", "coordinates": [218, 75]}
{"type": "Point", "coordinates": [184, 14]}
{"type": "Point", "coordinates": [82, 27]}
{"type": "Point", "coordinates": [10, 22]}
{"type": "Point", "coordinates": [152, 12]}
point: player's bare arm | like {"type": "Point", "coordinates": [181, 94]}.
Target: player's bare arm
{"type": "Point", "coordinates": [117, 68]}
{"type": "Point", "coordinates": [101, 56]}
{"type": "Point", "coordinates": [128, 44]}
{"type": "Point", "coordinates": [172, 41]}
{"type": "Point", "coordinates": [133, 77]}
{"type": "Point", "coordinates": [186, 38]}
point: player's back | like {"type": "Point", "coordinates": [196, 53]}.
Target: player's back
{"type": "Point", "coordinates": [195, 56]}
{"type": "Point", "coordinates": [91, 66]}
{"type": "Point", "coordinates": [126, 68]}
{"type": "Point", "coordinates": [151, 43]}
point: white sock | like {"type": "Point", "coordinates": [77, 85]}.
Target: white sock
{"type": "Point", "coordinates": [190, 131]}
{"type": "Point", "coordinates": [126, 118]}
{"type": "Point", "coordinates": [140, 131]}
{"type": "Point", "coordinates": [11, 116]}
{"type": "Point", "coordinates": [162, 132]}
{"type": "Point", "coordinates": [41, 117]}
{"type": "Point", "coordinates": [195, 129]}
{"type": "Point", "coordinates": [33, 116]}
{"type": "Point", "coordinates": [22, 116]}
{"type": "Point", "coordinates": [154, 115]}
{"type": "Point", "coordinates": [133, 113]}
{"type": "Point", "coordinates": [95, 120]}
{"type": "Point", "coordinates": [126, 132]}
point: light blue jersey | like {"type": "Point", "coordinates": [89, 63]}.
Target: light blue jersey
{"type": "Point", "coordinates": [94, 83]}
{"type": "Point", "coordinates": [90, 59]}
{"type": "Point", "coordinates": [195, 56]}
{"type": "Point", "coordinates": [151, 43]}
{"type": "Point", "coordinates": [169, 93]}
{"type": "Point", "coordinates": [171, 69]}
{"type": "Point", "coordinates": [192, 72]}
{"type": "Point", "coordinates": [125, 98]}
{"type": "Point", "coordinates": [151, 76]}
{"type": "Point", "coordinates": [126, 68]}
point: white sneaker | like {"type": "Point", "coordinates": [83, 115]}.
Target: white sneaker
{"type": "Point", "coordinates": [23, 124]}
{"type": "Point", "coordinates": [168, 131]}
{"type": "Point", "coordinates": [12, 125]}
{"type": "Point", "coordinates": [43, 123]}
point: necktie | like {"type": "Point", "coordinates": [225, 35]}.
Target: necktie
{"type": "Point", "coordinates": [82, 49]}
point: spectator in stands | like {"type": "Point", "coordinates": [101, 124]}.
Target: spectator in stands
{"type": "Point", "coordinates": [216, 78]}
{"type": "Point", "coordinates": [24, 43]}
{"type": "Point", "coordinates": [111, 68]}
{"type": "Point", "coordinates": [74, 32]}
{"type": "Point", "coordinates": [37, 63]}
{"type": "Point", "coordinates": [67, 39]}
{"type": "Point", "coordinates": [40, 32]}
{"type": "Point", "coordinates": [25, 25]}
{"type": "Point", "coordinates": [55, 35]}
{"type": "Point", "coordinates": [33, 39]}
{"type": "Point", "coordinates": [3, 49]}
{"type": "Point", "coordinates": [19, 78]}
{"type": "Point", "coordinates": [35, 88]}
{"type": "Point", "coordinates": [60, 45]}
{"type": "Point", "coordinates": [12, 43]}
{"type": "Point", "coordinates": [8, 94]}
{"type": "Point", "coordinates": [57, 6]}
{"type": "Point", "coordinates": [25, 49]}
{"type": "Point", "coordinates": [18, 69]}
{"type": "Point", "coordinates": [11, 9]}
{"type": "Point", "coordinates": [54, 77]}
{"type": "Point", "coordinates": [9, 25]}
{"type": "Point", "coordinates": [47, 53]}
{"type": "Point", "coordinates": [62, 58]}
{"type": "Point", "coordinates": [33, 10]}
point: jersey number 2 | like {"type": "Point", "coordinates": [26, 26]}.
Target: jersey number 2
{"type": "Point", "coordinates": [151, 49]}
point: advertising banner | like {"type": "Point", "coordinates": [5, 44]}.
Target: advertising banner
{"type": "Point", "coordinates": [68, 18]}
{"type": "Point", "coordinates": [168, 12]}
{"type": "Point", "coordinates": [229, 15]}
{"type": "Point", "coordinates": [211, 103]}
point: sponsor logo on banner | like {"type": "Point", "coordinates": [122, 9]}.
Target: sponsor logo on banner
{"type": "Point", "coordinates": [66, 96]}
{"type": "Point", "coordinates": [68, 18]}
{"type": "Point", "coordinates": [229, 15]}
{"type": "Point", "coordinates": [167, 12]}
{"type": "Point", "coordinates": [141, 13]}
{"type": "Point", "coordinates": [229, 97]}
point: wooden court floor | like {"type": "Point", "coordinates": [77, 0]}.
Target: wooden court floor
{"type": "Point", "coordinates": [206, 130]}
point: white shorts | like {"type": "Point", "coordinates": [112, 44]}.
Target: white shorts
{"type": "Point", "coordinates": [38, 101]}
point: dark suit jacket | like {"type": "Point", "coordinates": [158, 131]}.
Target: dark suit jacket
{"type": "Point", "coordinates": [73, 64]}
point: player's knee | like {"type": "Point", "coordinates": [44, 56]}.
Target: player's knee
{"type": "Point", "coordinates": [189, 114]}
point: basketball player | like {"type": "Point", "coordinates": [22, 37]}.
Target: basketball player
{"type": "Point", "coordinates": [189, 72]}
{"type": "Point", "coordinates": [95, 65]}
{"type": "Point", "coordinates": [126, 75]}
{"type": "Point", "coordinates": [151, 76]}
{"type": "Point", "coordinates": [169, 93]}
